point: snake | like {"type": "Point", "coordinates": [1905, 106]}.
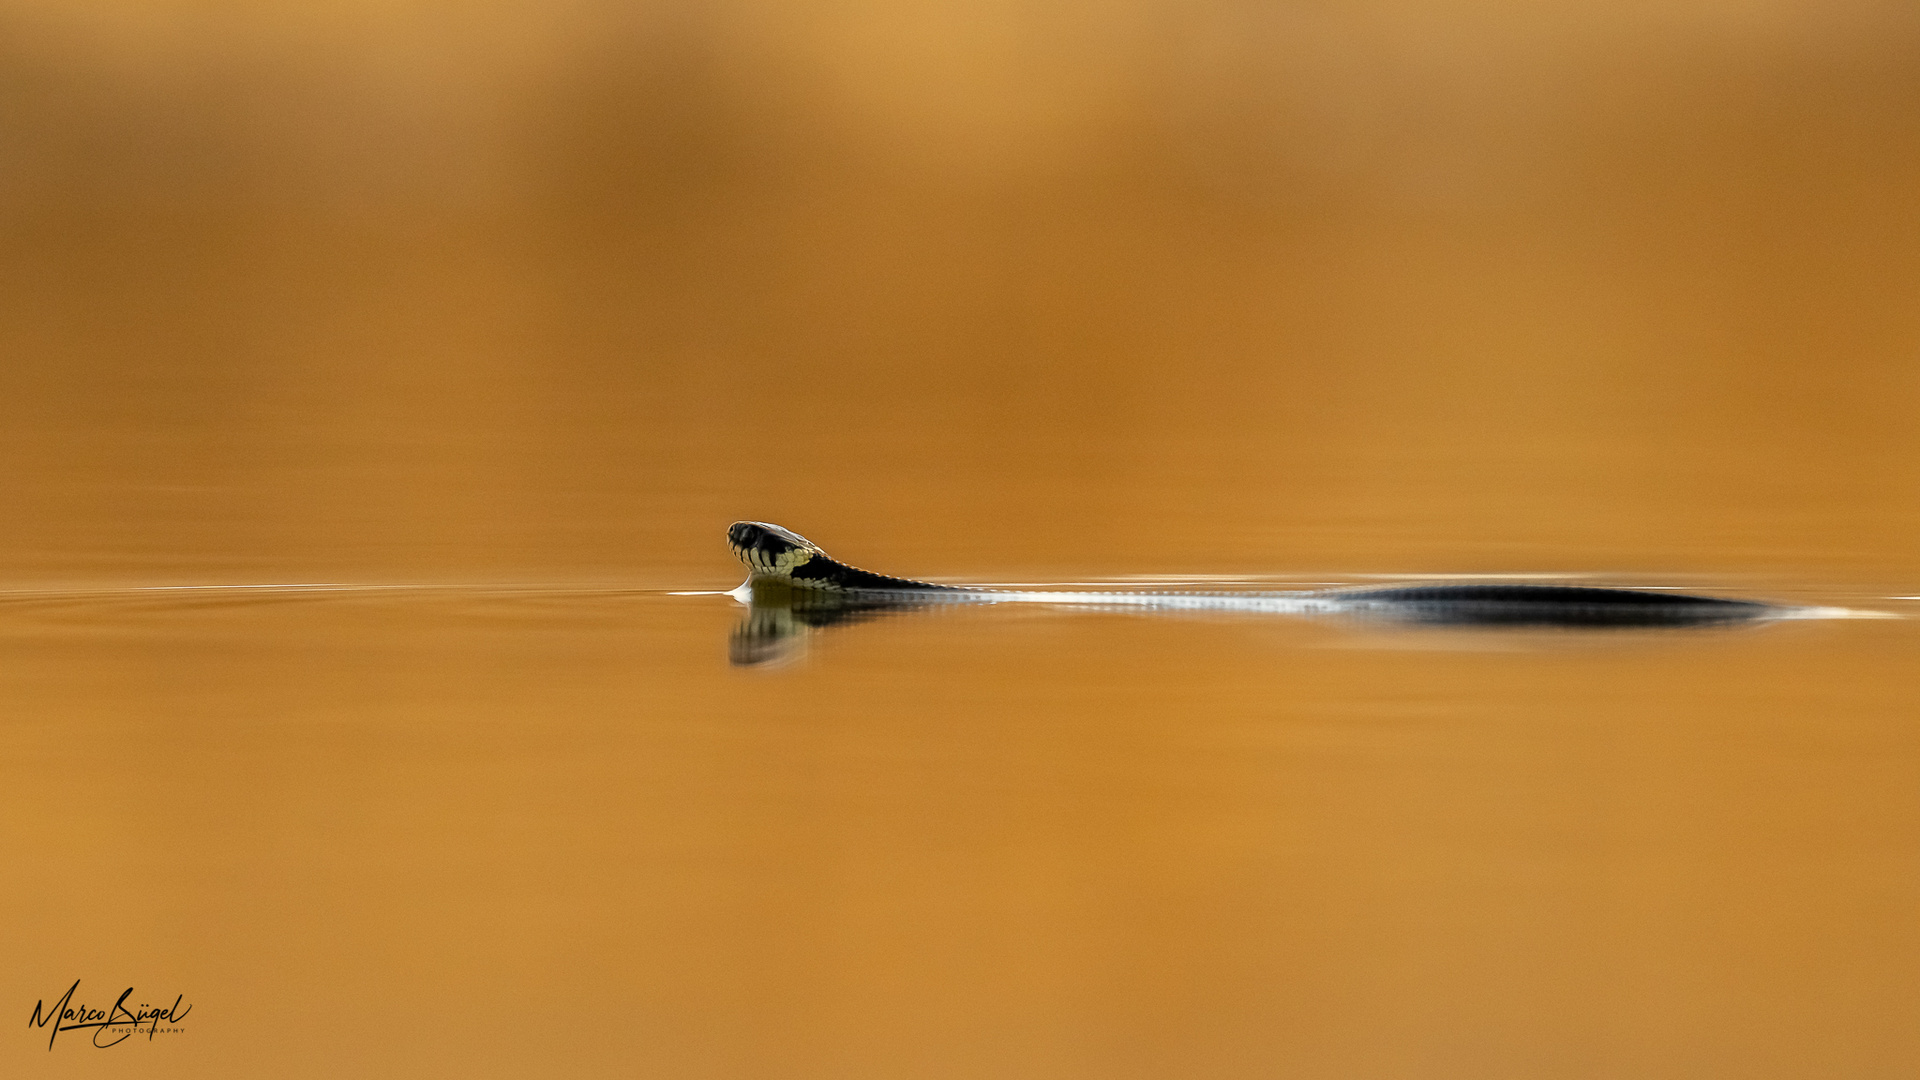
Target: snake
{"type": "Point", "coordinates": [779, 558]}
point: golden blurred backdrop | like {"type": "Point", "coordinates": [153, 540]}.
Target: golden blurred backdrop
{"type": "Point", "coordinates": [434, 289]}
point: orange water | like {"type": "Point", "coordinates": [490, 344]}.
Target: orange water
{"type": "Point", "coordinates": [519, 307]}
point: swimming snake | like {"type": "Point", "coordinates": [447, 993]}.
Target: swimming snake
{"type": "Point", "coordinates": [793, 585]}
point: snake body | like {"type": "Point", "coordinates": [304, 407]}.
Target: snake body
{"type": "Point", "coordinates": [781, 558]}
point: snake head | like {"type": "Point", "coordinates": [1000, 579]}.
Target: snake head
{"type": "Point", "coordinates": [769, 550]}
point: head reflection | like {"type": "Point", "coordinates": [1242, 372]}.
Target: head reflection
{"type": "Point", "coordinates": [780, 618]}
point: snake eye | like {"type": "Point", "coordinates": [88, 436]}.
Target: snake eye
{"type": "Point", "coordinates": [742, 534]}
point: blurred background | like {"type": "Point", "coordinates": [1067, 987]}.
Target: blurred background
{"type": "Point", "coordinates": [424, 292]}
{"type": "Point", "coordinates": [447, 291]}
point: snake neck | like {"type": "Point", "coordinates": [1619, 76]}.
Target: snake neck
{"type": "Point", "coordinates": [822, 572]}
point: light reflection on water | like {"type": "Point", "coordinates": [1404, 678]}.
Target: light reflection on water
{"type": "Point", "coordinates": [779, 620]}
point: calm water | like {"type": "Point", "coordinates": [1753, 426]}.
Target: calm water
{"type": "Point", "coordinates": [492, 331]}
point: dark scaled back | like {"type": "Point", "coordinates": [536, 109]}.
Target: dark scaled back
{"type": "Point", "coordinates": [1550, 605]}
